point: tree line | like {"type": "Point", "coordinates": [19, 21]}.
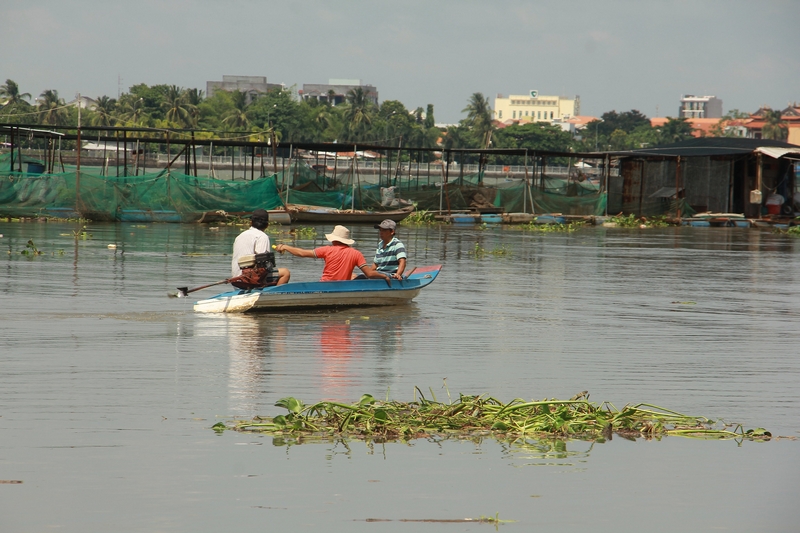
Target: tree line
{"type": "Point", "coordinates": [277, 113]}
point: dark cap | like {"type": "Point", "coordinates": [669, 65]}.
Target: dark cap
{"type": "Point", "coordinates": [387, 224]}
{"type": "Point", "coordinates": [260, 213]}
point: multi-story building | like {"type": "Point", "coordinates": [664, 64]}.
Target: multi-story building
{"type": "Point", "coordinates": [700, 107]}
{"type": "Point", "coordinates": [252, 86]}
{"type": "Point", "coordinates": [336, 91]}
{"type": "Point", "coordinates": [534, 107]}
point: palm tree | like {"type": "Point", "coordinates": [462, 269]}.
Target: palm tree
{"type": "Point", "coordinates": [774, 126]}
{"type": "Point", "coordinates": [357, 117]}
{"type": "Point", "coordinates": [237, 118]}
{"type": "Point", "coordinates": [479, 118]}
{"type": "Point", "coordinates": [52, 109]}
{"type": "Point", "coordinates": [454, 138]}
{"type": "Point", "coordinates": [177, 110]}
{"type": "Point", "coordinates": [103, 111]}
{"type": "Point", "coordinates": [10, 91]}
{"type": "Point", "coordinates": [131, 111]}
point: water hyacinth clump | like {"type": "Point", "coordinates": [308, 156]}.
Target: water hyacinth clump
{"type": "Point", "coordinates": [632, 221]}
{"type": "Point", "coordinates": [470, 416]}
{"type": "Point", "coordinates": [553, 228]}
{"type": "Point", "coordinates": [420, 218]}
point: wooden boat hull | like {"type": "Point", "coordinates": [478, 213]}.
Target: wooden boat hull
{"type": "Point", "coordinates": [317, 294]}
{"type": "Point", "coordinates": [327, 215]}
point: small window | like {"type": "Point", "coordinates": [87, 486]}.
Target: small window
{"type": "Point", "coordinates": [513, 114]}
{"type": "Point", "coordinates": [500, 114]}
{"type": "Point", "coordinates": [551, 115]}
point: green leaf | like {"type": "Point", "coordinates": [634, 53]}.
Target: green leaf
{"type": "Point", "coordinates": [292, 405]}
{"type": "Point", "coordinates": [219, 427]}
{"type": "Point", "coordinates": [366, 399]}
{"type": "Point", "coordinates": [381, 416]}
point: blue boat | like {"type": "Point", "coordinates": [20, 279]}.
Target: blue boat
{"type": "Point", "coordinates": [550, 219]}
{"type": "Point", "coordinates": [321, 294]}
{"type": "Point", "coordinates": [492, 219]}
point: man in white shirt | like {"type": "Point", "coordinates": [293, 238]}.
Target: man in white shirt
{"type": "Point", "coordinates": [255, 241]}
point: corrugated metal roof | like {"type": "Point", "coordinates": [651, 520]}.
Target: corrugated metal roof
{"type": "Point", "coordinates": [711, 146]}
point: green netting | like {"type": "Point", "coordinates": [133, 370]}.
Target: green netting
{"type": "Point", "coordinates": [655, 207]}
{"type": "Point", "coordinates": [163, 196]}
{"type": "Point", "coordinates": [579, 200]}
{"type": "Point", "coordinates": [176, 197]}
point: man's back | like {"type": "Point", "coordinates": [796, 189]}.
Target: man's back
{"type": "Point", "coordinates": [252, 241]}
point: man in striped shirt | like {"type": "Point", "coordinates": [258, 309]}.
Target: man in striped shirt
{"type": "Point", "coordinates": [390, 257]}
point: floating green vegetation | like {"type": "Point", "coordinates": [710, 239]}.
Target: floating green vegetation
{"type": "Point", "coordinates": [481, 520]}
{"type": "Point", "coordinates": [43, 218]}
{"type": "Point", "coordinates": [81, 233]}
{"type": "Point", "coordinates": [632, 221]}
{"type": "Point", "coordinates": [552, 228]}
{"type": "Point", "coordinates": [273, 228]}
{"type": "Point", "coordinates": [498, 251]}
{"type": "Point", "coordinates": [304, 233]}
{"type": "Point", "coordinates": [420, 218]}
{"type": "Point", "coordinates": [791, 230]}
{"type": "Point", "coordinates": [31, 249]}
{"type": "Point", "coordinates": [478, 416]}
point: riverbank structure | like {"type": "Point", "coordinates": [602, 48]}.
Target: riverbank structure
{"type": "Point", "coordinates": [753, 177]}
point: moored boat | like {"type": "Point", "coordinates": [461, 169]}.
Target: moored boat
{"type": "Point", "coordinates": [321, 294]}
{"type": "Point", "coordinates": [322, 215]}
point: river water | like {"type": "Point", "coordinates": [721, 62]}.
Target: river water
{"type": "Point", "coordinates": [109, 387]}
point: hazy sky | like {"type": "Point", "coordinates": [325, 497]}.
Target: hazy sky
{"type": "Point", "coordinates": [615, 54]}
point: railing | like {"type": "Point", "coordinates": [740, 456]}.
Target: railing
{"type": "Point", "coordinates": [217, 162]}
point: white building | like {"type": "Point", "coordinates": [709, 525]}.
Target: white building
{"type": "Point", "coordinates": [700, 107]}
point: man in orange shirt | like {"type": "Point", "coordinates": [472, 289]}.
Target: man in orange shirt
{"type": "Point", "coordinates": [340, 259]}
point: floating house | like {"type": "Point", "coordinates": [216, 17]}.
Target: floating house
{"type": "Point", "coordinates": [751, 177]}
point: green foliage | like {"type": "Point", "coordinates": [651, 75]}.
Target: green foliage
{"type": "Point", "coordinates": [627, 122]}
{"type": "Point", "coordinates": [552, 228]}
{"type": "Point", "coordinates": [479, 119]}
{"type": "Point", "coordinates": [632, 221]}
{"type": "Point", "coordinates": [498, 251]}
{"type": "Point", "coordinates": [794, 231]}
{"type": "Point", "coordinates": [576, 418]}
{"type": "Point", "coordinates": [420, 218]}
{"type": "Point", "coordinates": [305, 233]}
{"type": "Point", "coordinates": [31, 249]}
{"type": "Point", "coordinates": [774, 126]}
{"type": "Point", "coordinates": [674, 130]}
{"type": "Point", "coordinates": [533, 136]}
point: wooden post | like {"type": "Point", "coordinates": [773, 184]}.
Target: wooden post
{"type": "Point", "coordinates": [125, 153]}
{"type": "Point", "coordinates": [78, 161]}
{"type": "Point", "coordinates": [678, 187]}
{"type": "Point", "coordinates": [12, 149]}
{"type": "Point", "coordinates": [194, 155]}
{"type": "Point", "coordinates": [252, 160]}
{"type": "Point", "coordinates": [606, 175]}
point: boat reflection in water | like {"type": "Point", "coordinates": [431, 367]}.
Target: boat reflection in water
{"type": "Point", "coordinates": [337, 353]}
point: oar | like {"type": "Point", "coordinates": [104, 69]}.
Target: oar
{"type": "Point", "coordinates": [184, 291]}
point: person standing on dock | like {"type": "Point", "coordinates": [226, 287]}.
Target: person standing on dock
{"type": "Point", "coordinates": [255, 241]}
{"type": "Point", "coordinates": [390, 257]}
{"type": "Point", "coordinates": [340, 258]}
